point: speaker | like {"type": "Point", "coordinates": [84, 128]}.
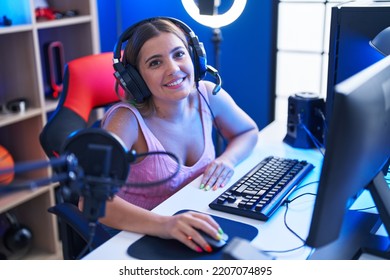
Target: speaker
{"type": "Point", "coordinates": [305, 122]}
{"type": "Point", "coordinates": [128, 76]}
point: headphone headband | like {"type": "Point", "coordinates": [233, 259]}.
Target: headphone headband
{"type": "Point", "coordinates": [130, 30]}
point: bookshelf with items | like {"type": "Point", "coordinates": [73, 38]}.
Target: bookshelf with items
{"type": "Point", "coordinates": [30, 75]}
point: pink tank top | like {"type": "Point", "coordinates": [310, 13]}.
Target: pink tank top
{"type": "Point", "coordinates": [157, 167]}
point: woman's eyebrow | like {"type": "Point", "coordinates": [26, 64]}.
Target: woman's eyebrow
{"type": "Point", "coordinates": [159, 55]}
{"type": "Point", "coordinates": [152, 57]}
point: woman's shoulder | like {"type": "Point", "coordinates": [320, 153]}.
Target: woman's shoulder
{"type": "Point", "coordinates": [121, 110]}
{"type": "Point", "coordinates": [123, 107]}
{"type": "Point", "coordinates": [206, 87]}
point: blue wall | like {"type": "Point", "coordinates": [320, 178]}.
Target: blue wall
{"type": "Point", "coordinates": [247, 49]}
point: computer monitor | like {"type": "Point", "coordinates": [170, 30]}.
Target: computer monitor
{"type": "Point", "coordinates": [358, 149]}
{"type": "Point", "coordinates": [352, 26]}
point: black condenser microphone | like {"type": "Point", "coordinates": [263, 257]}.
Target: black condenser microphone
{"type": "Point", "coordinates": [104, 160]}
{"type": "Point", "coordinates": [214, 72]}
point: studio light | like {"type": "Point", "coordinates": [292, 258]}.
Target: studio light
{"type": "Point", "coordinates": [214, 20]}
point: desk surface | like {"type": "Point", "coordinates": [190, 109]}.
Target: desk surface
{"type": "Point", "coordinates": [273, 234]}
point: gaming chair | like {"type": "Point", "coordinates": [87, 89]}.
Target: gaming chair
{"type": "Point", "coordinates": [88, 84]}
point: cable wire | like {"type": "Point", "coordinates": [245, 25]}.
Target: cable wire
{"type": "Point", "coordinates": [162, 181]}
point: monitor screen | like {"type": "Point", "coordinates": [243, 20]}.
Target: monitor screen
{"type": "Point", "coordinates": [352, 26]}
{"type": "Point", "coordinates": [358, 149]}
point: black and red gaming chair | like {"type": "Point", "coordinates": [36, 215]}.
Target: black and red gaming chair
{"type": "Point", "coordinates": [88, 84]}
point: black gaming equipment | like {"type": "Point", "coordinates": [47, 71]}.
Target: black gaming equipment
{"type": "Point", "coordinates": [16, 238]}
{"type": "Point", "coordinates": [130, 79]}
{"type": "Point", "coordinates": [105, 164]}
{"type": "Point", "coordinates": [305, 120]}
{"type": "Point", "coordinates": [352, 26]}
{"type": "Point", "coordinates": [356, 158]}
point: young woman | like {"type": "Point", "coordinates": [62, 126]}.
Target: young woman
{"type": "Point", "coordinates": [177, 117]}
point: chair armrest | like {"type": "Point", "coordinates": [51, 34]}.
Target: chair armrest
{"type": "Point", "coordinates": [71, 215]}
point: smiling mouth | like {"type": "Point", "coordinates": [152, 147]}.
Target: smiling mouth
{"type": "Point", "coordinates": [175, 83]}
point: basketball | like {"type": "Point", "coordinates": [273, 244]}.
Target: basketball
{"type": "Point", "coordinates": [6, 161]}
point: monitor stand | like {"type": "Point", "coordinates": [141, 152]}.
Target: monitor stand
{"type": "Point", "coordinates": [356, 235]}
{"type": "Point", "coordinates": [380, 193]}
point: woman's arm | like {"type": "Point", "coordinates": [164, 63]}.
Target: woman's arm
{"type": "Point", "coordinates": [184, 227]}
{"type": "Point", "coordinates": [241, 133]}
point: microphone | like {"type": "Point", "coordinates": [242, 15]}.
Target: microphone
{"type": "Point", "coordinates": [215, 74]}
{"type": "Point", "coordinates": [105, 162]}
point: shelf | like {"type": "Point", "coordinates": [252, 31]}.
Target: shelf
{"type": "Point", "coordinates": [63, 22]}
{"type": "Point", "coordinates": [15, 28]}
{"type": "Point", "coordinates": [10, 118]}
{"type": "Point", "coordinates": [24, 74]}
{"type": "Point", "coordinates": [15, 199]}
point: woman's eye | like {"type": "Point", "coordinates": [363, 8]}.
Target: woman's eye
{"type": "Point", "coordinates": [179, 54]}
{"type": "Point", "coordinates": [154, 63]}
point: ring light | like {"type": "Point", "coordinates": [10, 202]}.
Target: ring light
{"type": "Point", "coordinates": [215, 21]}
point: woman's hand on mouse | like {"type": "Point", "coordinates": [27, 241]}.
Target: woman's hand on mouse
{"type": "Point", "coordinates": [185, 227]}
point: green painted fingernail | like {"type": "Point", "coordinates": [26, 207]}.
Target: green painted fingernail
{"type": "Point", "coordinates": [207, 188]}
{"type": "Point", "coordinates": [201, 186]}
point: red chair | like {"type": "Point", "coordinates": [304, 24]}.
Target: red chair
{"type": "Point", "coordinates": [88, 84]}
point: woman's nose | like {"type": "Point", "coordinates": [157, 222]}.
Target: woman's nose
{"type": "Point", "coordinates": [172, 66]}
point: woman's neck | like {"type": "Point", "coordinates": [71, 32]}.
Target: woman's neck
{"type": "Point", "coordinates": [173, 111]}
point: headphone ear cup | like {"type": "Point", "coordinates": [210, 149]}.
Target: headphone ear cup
{"type": "Point", "coordinates": [137, 86]}
{"type": "Point", "coordinates": [17, 238]}
{"type": "Point", "coordinates": [131, 81]}
{"type": "Point", "coordinates": [199, 59]}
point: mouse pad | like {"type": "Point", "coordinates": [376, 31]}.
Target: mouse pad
{"type": "Point", "coordinates": [155, 248]}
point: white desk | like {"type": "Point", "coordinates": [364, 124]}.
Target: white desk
{"type": "Point", "coordinates": [273, 234]}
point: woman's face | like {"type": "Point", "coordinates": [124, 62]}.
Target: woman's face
{"type": "Point", "coordinates": [166, 67]}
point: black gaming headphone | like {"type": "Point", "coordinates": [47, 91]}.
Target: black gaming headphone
{"type": "Point", "coordinates": [130, 79]}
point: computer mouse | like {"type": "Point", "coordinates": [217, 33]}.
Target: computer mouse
{"type": "Point", "coordinates": [215, 244]}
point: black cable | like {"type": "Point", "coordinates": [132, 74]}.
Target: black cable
{"type": "Point", "coordinates": [316, 142]}
{"type": "Point", "coordinates": [88, 247]}
{"type": "Point", "coordinates": [307, 184]}
{"type": "Point", "coordinates": [212, 114]}
{"type": "Point", "coordinates": [286, 203]}
{"type": "Point", "coordinates": [143, 184]}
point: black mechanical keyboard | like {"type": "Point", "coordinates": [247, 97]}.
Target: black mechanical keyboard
{"type": "Point", "coordinates": [260, 192]}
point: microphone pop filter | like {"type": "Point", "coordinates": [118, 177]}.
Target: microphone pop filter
{"type": "Point", "coordinates": [99, 152]}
